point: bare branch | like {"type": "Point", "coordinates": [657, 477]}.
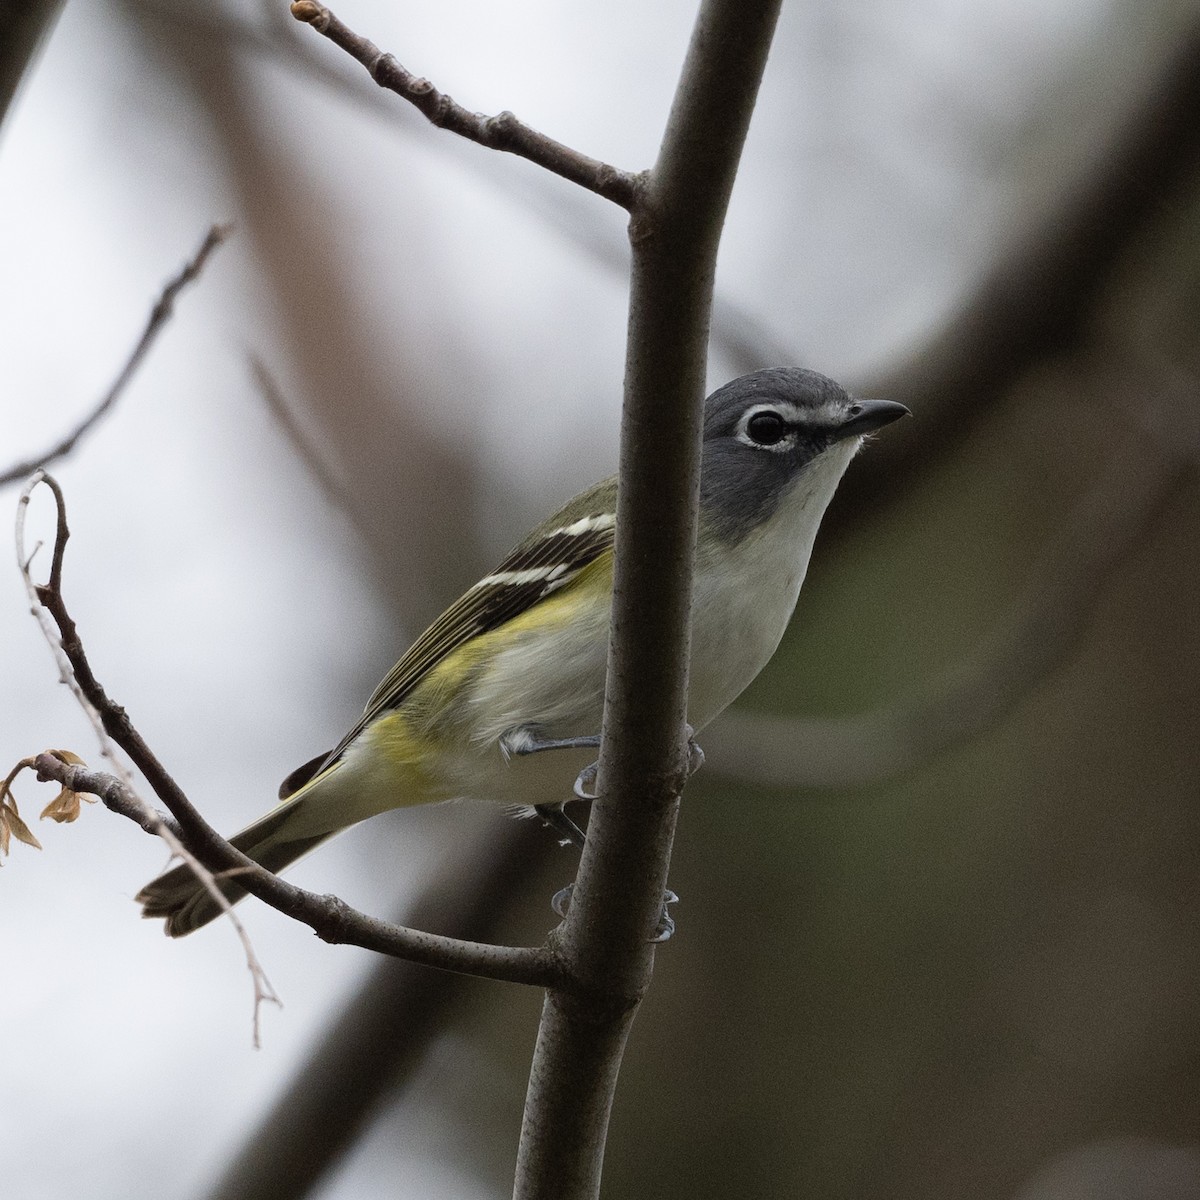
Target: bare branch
{"type": "Point", "coordinates": [160, 314]}
{"type": "Point", "coordinates": [502, 132]}
{"type": "Point", "coordinates": [329, 917]}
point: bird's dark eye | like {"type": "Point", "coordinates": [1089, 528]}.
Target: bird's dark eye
{"type": "Point", "coordinates": [766, 428]}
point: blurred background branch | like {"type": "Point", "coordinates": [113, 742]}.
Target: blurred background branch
{"type": "Point", "coordinates": [25, 23]}
{"type": "Point", "coordinates": [333, 488]}
{"type": "Point", "coordinates": [1036, 298]}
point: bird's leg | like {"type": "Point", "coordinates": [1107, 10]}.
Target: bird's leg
{"type": "Point", "coordinates": [524, 739]}
{"type": "Point", "coordinates": [554, 816]}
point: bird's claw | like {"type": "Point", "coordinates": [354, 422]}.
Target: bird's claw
{"type": "Point", "coordinates": [666, 923]}
{"type": "Point", "coordinates": [694, 753]}
{"type": "Point", "coordinates": [585, 782]}
{"type": "Point", "coordinates": [561, 902]}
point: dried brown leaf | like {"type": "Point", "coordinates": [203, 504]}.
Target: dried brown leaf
{"type": "Point", "coordinates": [11, 826]}
{"type": "Point", "coordinates": [65, 807]}
{"type": "Point", "coordinates": [68, 756]}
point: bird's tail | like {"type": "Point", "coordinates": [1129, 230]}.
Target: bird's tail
{"type": "Point", "coordinates": [187, 904]}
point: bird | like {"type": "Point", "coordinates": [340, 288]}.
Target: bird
{"type": "Point", "coordinates": [517, 664]}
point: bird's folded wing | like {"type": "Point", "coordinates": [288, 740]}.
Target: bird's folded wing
{"type": "Point", "coordinates": [545, 562]}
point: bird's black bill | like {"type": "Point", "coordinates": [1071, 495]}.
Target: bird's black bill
{"type": "Point", "coordinates": [866, 416]}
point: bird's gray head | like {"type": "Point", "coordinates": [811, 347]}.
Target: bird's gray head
{"type": "Point", "coordinates": [766, 433]}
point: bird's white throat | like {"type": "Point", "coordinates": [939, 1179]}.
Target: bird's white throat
{"type": "Point", "coordinates": [742, 606]}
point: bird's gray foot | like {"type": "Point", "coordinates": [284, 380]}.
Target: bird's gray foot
{"type": "Point", "coordinates": [695, 754]}
{"type": "Point", "coordinates": [561, 902]}
{"type": "Point", "coordinates": [585, 782]}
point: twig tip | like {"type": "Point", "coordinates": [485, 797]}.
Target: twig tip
{"type": "Point", "coordinates": [311, 14]}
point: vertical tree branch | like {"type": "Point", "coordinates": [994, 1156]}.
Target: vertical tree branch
{"type": "Point", "coordinates": [675, 231]}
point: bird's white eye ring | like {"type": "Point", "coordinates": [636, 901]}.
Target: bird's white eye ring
{"type": "Point", "coordinates": [766, 428]}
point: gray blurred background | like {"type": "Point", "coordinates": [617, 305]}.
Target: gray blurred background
{"type": "Point", "coordinates": [939, 877]}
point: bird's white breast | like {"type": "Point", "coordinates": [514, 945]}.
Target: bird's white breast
{"type": "Point", "coordinates": [744, 597]}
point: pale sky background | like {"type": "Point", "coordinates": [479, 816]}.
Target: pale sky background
{"type": "Point", "coordinates": [897, 147]}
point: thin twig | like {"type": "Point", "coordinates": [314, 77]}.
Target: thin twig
{"type": "Point", "coordinates": [329, 917]}
{"type": "Point", "coordinates": [304, 445]}
{"type": "Point", "coordinates": [502, 132]}
{"type": "Point", "coordinates": [160, 314]}
{"type": "Point", "coordinates": [121, 784]}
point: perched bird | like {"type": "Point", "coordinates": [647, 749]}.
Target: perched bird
{"type": "Point", "coordinates": [517, 663]}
